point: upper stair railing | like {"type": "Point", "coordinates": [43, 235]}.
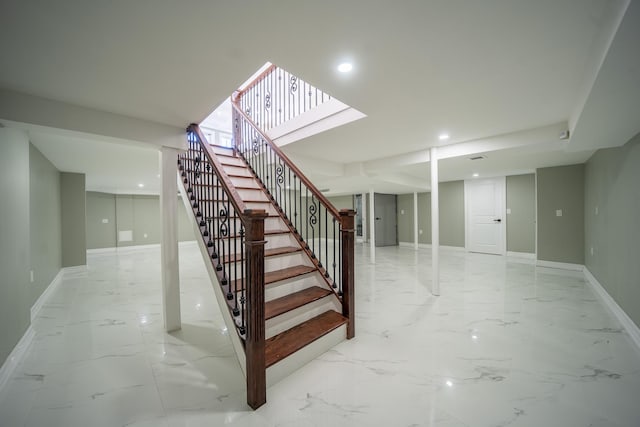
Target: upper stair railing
{"type": "Point", "coordinates": [234, 238]}
{"type": "Point", "coordinates": [325, 233]}
{"type": "Point", "coordinates": [277, 96]}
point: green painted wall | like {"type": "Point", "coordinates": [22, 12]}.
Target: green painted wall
{"type": "Point", "coordinates": [521, 213]}
{"type": "Point", "coordinates": [612, 186]}
{"type": "Point", "coordinates": [74, 240]}
{"type": "Point", "coordinates": [139, 214]}
{"type": "Point", "coordinates": [101, 207]}
{"type": "Point", "coordinates": [14, 239]}
{"type": "Point", "coordinates": [45, 222]}
{"type": "Point", "coordinates": [561, 238]}
{"type": "Point", "coordinates": [451, 215]}
{"type": "Point", "coordinates": [341, 202]}
{"type": "Point", "coordinates": [405, 217]}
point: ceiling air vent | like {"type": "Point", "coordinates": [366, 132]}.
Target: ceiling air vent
{"type": "Point", "coordinates": [325, 190]}
{"type": "Point", "coordinates": [477, 158]}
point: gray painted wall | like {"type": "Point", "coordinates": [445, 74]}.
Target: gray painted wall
{"type": "Point", "coordinates": [405, 217]}
{"type": "Point", "coordinates": [45, 222]}
{"type": "Point", "coordinates": [451, 215]}
{"type": "Point", "coordinates": [612, 185]}
{"type": "Point", "coordinates": [341, 202]}
{"type": "Point", "coordinates": [74, 240]}
{"type": "Point", "coordinates": [138, 213]}
{"type": "Point", "coordinates": [561, 238]}
{"type": "Point", "coordinates": [521, 221]}
{"type": "Point", "coordinates": [14, 239]}
{"type": "Point", "coordinates": [100, 207]}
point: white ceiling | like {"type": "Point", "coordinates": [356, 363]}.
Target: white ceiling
{"type": "Point", "coordinates": [474, 69]}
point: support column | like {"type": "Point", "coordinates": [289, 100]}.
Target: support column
{"type": "Point", "coordinates": [169, 239]}
{"type": "Point", "coordinates": [415, 220]}
{"type": "Point", "coordinates": [435, 224]}
{"type": "Point", "coordinates": [372, 227]}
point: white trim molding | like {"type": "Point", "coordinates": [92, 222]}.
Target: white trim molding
{"type": "Point", "coordinates": [15, 357]}
{"type": "Point", "coordinates": [42, 299]}
{"type": "Point", "coordinates": [526, 255]}
{"type": "Point", "coordinates": [560, 265]}
{"type": "Point", "coordinates": [428, 246]}
{"type": "Point", "coordinates": [628, 324]}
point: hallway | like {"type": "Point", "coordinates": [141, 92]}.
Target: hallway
{"type": "Point", "coordinates": [507, 343]}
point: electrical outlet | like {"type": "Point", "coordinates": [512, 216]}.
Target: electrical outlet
{"type": "Point", "coordinates": [508, 211]}
{"type": "Point", "coordinates": [105, 220]}
{"type": "Point", "coordinates": [145, 235]}
{"type": "Point", "coordinates": [420, 231]}
{"type": "Point", "coordinates": [596, 210]}
{"type": "Point", "coordinates": [401, 211]}
{"type": "Point", "coordinates": [31, 276]}
{"type": "Point", "coordinates": [591, 250]}
{"type": "Point", "coordinates": [558, 212]}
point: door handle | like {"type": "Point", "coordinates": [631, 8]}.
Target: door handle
{"type": "Point", "coordinates": [497, 220]}
{"type": "Point", "coordinates": [378, 218]}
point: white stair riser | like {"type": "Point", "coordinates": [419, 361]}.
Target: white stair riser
{"type": "Point", "coordinates": [290, 364]}
{"type": "Point", "coordinates": [289, 286]}
{"type": "Point", "coordinates": [294, 317]}
{"type": "Point", "coordinates": [279, 262]}
{"type": "Point", "coordinates": [238, 170]}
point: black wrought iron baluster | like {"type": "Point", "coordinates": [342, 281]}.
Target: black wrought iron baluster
{"type": "Point", "coordinates": [279, 184]}
{"type": "Point", "coordinates": [229, 238]}
{"type": "Point", "coordinates": [306, 235]}
{"type": "Point", "coordinates": [340, 263]}
{"type": "Point", "coordinates": [239, 283]}
{"type": "Point", "coordinates": [334, 254]}
{"type": "Point", "coordinates": [242, 281]}
{"type": "Point", "coordinates": [313, 220]}
{"type": "Point", "coordinates": [224, 235]}
{"type": "Point", "coordinates": [242, 329]}
{"type": "Point", "coordinates": [326, 238]}
{"type": "Point", "coordinates": [217, 219]}
{"type": "Point", "coordinates": [288, 187]}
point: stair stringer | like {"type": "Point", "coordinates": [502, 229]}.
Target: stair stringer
{"type": "Point", "coordinates": [229, 322]}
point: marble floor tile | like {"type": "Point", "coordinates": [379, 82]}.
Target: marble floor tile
{"type": "Point", "coordinates": [506, 344]}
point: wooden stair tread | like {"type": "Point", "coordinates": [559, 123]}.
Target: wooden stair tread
{"type": "Point", "coordinates": [294, 300]}
{"type": "Point", "coordinates": [292, 340]}
{"type": "Point", "coordinates": [267, 253]}
{"type": "Point", "coordinates": [287, 273]}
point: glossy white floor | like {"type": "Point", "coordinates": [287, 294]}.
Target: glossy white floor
{"type": "Point", "coordinates": [507, 344]}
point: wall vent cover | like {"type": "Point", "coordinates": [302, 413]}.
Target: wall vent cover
{"type": "Point", "coordinates": [477, 158]}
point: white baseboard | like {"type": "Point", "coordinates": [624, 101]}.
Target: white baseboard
{"type": "Point", "coordinates": [37, 306]}
{"type": "Point", "coordinates": [560, 265]}
{"type": "Point", "coordinates": [16, 355]}
{"type": "Point", "coordinates": [428, 246]}
{"type": "Point", "coordinates": [525, 255]}
{"type": "Point", "coordinates": [102, 251]}
{"type": "Point", "coordinates": [132, 248]}
{"type": "Point", "coordinates": [628, 324]}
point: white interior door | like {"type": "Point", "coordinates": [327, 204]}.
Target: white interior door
{"type": "Point", "coordinates": [485, 220]}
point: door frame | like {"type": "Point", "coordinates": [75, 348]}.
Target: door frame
{"type": "Point", "coordinates": [502, 182]}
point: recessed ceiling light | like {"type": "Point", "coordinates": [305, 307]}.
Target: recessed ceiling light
{"type": "Point", "coordinates": [475, 175]}
{"type": "Point", "coordinates": [345, 67]}
{"type": "Point", "coordinates": [443, 136]}
{"type": "Point", "coordinates": [141, 185]}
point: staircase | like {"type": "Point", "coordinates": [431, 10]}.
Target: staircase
{"type": "Point", "coordinates": [299, 305]}
{"type": "Point", "coordinates": [279, 255]}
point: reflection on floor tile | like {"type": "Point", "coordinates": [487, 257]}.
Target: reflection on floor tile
{"type": "Point", "coordinates": [506, 344]}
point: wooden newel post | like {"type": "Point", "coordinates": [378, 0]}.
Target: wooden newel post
{"type": "Point", "coordinates": [347, 221]}
{"type": "Point", "coordinates": [255, 341]}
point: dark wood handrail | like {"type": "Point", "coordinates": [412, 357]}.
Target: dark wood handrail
{"type": "Point", "coordinates": [302, 177]}
{"type": "Point", "coordinates": [257, 80]}
{"type": "Point", "coordinates": [227, 185]}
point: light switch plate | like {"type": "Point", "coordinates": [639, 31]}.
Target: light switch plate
{"type": "Point", "coordinates": [508, 211]}
{"type": "Point", "coordinates": [558, 212]}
